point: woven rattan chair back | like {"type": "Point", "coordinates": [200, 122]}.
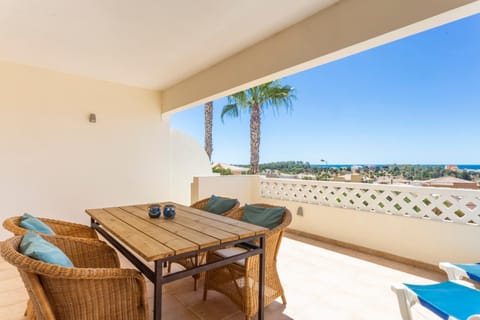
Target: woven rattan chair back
{"type": "Point", "coordinates": [61, 228]}
{"type": "Point", "coordinates": [202, 203]}
{"type": "Point", "coordinates": [240, 281]}
{"type": "Point", "coordinates": [96, 288]}
{"type": "Point", "coordinates": [190, 262]}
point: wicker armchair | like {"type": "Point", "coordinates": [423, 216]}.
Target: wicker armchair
{"type": "Point", "coordinates": [202, 203]}
{"type": "Point", "coordinates": [190, 262]}
{"type": "Point", "coordinates": [61, 228]}
{"type": "Point", "coordinates": [96, 288]}
{"type": "Point", "coordinates": [239, 281]}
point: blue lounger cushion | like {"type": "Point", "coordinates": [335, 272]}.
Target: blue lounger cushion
{"type": "Point", "coordinates": [34, 224]}
{"type": "Point", "coordinates": [473, 270]}
{"type": "Point", "coordinates": [448, 299]}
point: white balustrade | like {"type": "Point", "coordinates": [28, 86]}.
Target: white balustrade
{"type": "Point", "coordinates": [445, 204]}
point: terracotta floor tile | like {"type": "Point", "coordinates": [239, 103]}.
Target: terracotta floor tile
{"type": "Point", "coordinates": [321, 281]}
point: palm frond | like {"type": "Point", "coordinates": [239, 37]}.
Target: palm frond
{"type": "Point", "coordinates": [230, 110]}
{"type": "Point", "coordinates": [239, 98]}
{"type": "Point", "coordinates": [269, 94]}
{"type": "Point", "coordinates": [278, 96]}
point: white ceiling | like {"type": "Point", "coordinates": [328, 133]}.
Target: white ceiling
{"type": "Point", "coordinates": [145, 43]}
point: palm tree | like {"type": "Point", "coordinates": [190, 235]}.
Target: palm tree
{"type": "Point", "coordinates": [208, 128]}
{"type": "Point", "coordinates": [256, 100]}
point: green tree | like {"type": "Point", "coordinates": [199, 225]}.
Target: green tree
{"type": "Point", "coordinates": [255, 100]}
{"type": "Point", "coordinates": [222, 171]}
{"type": "Point", "coordinates": [208, 128]}
{"type": "Point", "coordinates": [465, 175]}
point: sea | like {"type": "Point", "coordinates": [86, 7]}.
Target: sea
{"type": "Point", "coordinates": [475, 167]}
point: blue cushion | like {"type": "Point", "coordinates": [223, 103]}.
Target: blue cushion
{"type": "Point", "coordinates": [36, 247]}
{"type": "Point", "coordinates": [31, 223]}
{"type": "Point", "coordinates": [448, 299]}
{"type": "Point", "coordinates": [472, 270]}
{"type": "Point", "coordinates": [219, 205]}
{"type": "Point", "coordinates": [262, 216]}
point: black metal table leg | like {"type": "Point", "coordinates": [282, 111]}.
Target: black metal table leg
{"type": "Point", "coordinates": [159, 279]}
{"type": "Point", "coordinates": [158, 284]}
{"type": "Point", "coordinates": [261, 278]}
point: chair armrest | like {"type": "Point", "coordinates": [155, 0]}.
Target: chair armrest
{"type": "Point", "coordinates": [70, 229]}
{"type": "Point", "coordinates": [81, 293]}
{"type": "Point", "coordinates": [235, 213]}
{"type": "Point", "coordinates": [61, 228]}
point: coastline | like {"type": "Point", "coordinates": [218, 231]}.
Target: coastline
{"type": "Point", "coordinates": [469, 167]}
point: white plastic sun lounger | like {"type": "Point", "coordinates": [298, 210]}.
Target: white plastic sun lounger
{"type": "Point", "coordinates": [459, 271]}
{"type": "Point", "coordinates": [448, 300]}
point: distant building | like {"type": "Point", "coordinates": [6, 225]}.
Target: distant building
{"type": "Point", "coordinates": [285, 176]}
{"type": "Point", "coordinates": [306, 176]}
{"type": "Point", "coordinates": [417, 183]}
{"type": "Point", "coordinates": [384, 180]}
{"type": "Point", "coordinates": [234, 169]}
{"type": "Point", "coordinates": [392, 180]}
{"type": "Point", "coordinates": [450, 182]}
{"type": "Point", "coordinates": [355, 169]}
{"type": "Point", "coordinates": [401, 181]}
{"type": "Point", "coordinates": [354, 177]}
{"type": "Point", "coordinates": [452, 167]}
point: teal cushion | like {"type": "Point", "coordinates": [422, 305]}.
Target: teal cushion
{"type": "Point", "coordinates": [36, 247]}
{"type": "Point", "coordinates": [219, 205]}
{"type": "Point", "coordinates": [262, 216]}
{"type": "Point", "coordinates": [31, 223]}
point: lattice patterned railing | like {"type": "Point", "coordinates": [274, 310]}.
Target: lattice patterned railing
{"type": "Point", "coordinates": [446, 204]}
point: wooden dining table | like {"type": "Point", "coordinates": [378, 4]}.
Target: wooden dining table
{"type": "Point", "coordinates": [161, 240]}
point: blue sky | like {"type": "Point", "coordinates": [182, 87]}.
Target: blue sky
{"type": "Point", "coordinates": [416, 100]}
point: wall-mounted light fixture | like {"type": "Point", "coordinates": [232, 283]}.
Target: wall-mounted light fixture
{"type": "Point", "coordinates": [299, 211]}
{"type": "Point", "coordinates": [92, 118]}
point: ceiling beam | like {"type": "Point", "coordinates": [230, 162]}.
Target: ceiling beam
{"type": "Point", "coordinates": [346, 28]}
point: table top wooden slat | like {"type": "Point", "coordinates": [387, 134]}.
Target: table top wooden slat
{"type": "Point", "coordinates": [207, 227]}
{"type": "Point", "coordinates": [233, 222]}
{"type": "Point", "coordinates": [147, 247]}
{"type": "Point", "coordinates": [168, 239]}
{"type": "Point", "coordinates": [199, 238]}
{"type": "Point", "coordinates": [156, 238]}
{"type": "Point", "coordinates": [232, 225]}
{"type": "Point", "coordinates": [223, 223]}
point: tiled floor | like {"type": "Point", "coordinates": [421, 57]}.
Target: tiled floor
{"type": "Point", "coordinates": [321, 281]}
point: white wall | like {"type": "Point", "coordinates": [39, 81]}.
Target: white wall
{"type": "Point", "coordinates": [54, 163]}
{"type": "Point", "coordinates": [245, 188]}
{"type": "Point", "coordinates": [418, 239]}
{"type": "Point", "coordinates": [188, 159]}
